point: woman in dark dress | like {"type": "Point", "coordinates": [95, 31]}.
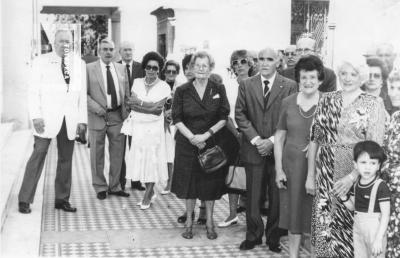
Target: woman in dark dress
{"type": "Point", "coordinates": [291, 143]}
{"type": "Point", "coordinates": [199, 111]}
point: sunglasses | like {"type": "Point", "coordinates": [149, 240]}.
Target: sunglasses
{"type": "Point", "coordinates": [171, 72]}
{"type": "Point", "coordinates": [290, 54]}
{"type": "Point", "coordinates": [375, 75]}
{"type": "Point", "coordinates": [241, 61]}
{"type": "Point", "coordinates": [153, 68]}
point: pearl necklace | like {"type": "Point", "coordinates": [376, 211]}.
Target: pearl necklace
{"type": "Point", "coordinates": [301, 111]}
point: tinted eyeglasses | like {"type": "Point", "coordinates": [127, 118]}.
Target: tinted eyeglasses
{"type": "Point", "coordinates": [375, 75]}
{"type": "Point", "coordinates": [290, 54]}
{"type": "Point", "coordinates": [241, 61]}
{"type": "Point", "coordinates": [171, 71]}
{"type": "Point", "coordinates": [151, 68]}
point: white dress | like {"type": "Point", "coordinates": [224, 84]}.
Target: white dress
{"type": "Point", "coordinates": [146, 159]}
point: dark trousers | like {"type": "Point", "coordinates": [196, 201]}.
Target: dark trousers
{"type": "Point", "coordinates": [35, 165]}
{"type": "Point", "coordinates": [122, 178]}
{"type": "Point", "coordinates": [257, 177]}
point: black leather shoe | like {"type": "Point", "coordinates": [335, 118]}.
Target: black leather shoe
{"type": "Point", "coordinates": [65, 206]}
{"type": "Point", "coordinates": [248, 245]}
{"type": "Point", "coordinates": [137, 185]}
{"type": "Point", "coordinates": [275, 248]}
{"type": "Point", "coordinates": [183, 218]}
{"type": "Point", "coordinates": [23, 207]}
{"type": "Point", "coordinates": [102, 195]}
{"type": "Point", "coordinates": [119, 193]}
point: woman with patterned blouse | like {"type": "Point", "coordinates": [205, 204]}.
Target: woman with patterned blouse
{"type": "Point", "coordinates": [391, 169]}
{"type": "Point", "coordinates": [342, 119]}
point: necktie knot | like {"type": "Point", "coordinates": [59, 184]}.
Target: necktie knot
{"type": "Point", "coordinates": [108, 67]}
{"type": "Point", "coordinates": [128, 66]}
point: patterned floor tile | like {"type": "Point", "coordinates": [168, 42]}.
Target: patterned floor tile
{"type": "Point", "coordinates": [117, 213]}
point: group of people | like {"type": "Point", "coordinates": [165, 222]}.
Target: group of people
{"type": "Point", "coordinates": [325, 161]}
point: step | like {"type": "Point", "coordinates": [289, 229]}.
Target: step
{"type": "Point", "coordinates": [14, 155]}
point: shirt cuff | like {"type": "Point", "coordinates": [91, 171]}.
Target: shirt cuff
{"type": "Point", "coordinates": [253, 141]}
{"type": "Point", "coordinates": [272, 138]}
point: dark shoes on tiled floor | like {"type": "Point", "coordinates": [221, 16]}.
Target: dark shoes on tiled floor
{"type": "Point", "coordinates": [102, 195]}
{"type": "Point", "coordinates": [23, 207]}
{"type": "Point", "coordinates": [119, 193]}
{"type": "Point", "coordinates": [65, 206]}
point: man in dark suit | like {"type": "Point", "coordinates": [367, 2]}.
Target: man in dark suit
{"type": "Point", "coordinates": [107, 88]}
{"type": "Point", "coordinates": [134, 70]}
{"type": "Point", "coordinates": [256, 114]}
{"type": "Point", "coordinates": [304, 47]}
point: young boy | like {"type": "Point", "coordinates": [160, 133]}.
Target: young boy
{"type": "Point", "coordinates": [370, 200]}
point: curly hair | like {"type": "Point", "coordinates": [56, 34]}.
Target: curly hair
{"type": "Point", "coordinates": [309, 63]}
{"type": "Point", "coordinates": [203, 54]}
{"type": "Point", "coordinates": [153, 56]}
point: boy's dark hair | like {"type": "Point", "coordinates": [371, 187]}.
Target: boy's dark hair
{"type": "Point", "coordinates": [372, 148]}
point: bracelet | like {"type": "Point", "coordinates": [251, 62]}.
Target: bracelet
{"type": "Point", "coordinates": [210, 131]}
{"type": "Point", "coordinates": [343, 201]}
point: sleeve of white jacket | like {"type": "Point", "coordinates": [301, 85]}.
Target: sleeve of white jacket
{"type": "Point", "coordinates": [34, 91]}
{"type": "Point", "coordinates": [83, 115]}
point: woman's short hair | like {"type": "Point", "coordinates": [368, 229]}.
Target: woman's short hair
{"type": "Point", "coordinates": [174, 63]}
{"type": "Point", "coordinates": [376, 62]}
{"type": "Point", "coordinates": [394, 76]}
{"type": "Point", "coordinates": [153, 56]}
{"type": "Point", "coordinates": [309, 63]}
{"type": "Point", "coordinates": [358, 67]}
{"type": "Point", "coordinates": [237, 54]}
{"type": "Point", "coordinates": [203, 54]}
{"type": "Point", "coordinates": [186, 61]}
{"type": "Point", "coordinates": [372, 148]}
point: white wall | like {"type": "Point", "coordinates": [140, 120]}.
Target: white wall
{"type": "Point", "coordinates": [16, 32]}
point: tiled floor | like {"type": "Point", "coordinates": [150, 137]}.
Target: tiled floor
{"type": "Point", "coordinates": [105, 228]}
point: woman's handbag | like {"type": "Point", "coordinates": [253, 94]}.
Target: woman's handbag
{"type": "Point", "coordinates": [236, 178]}
{"type": "Point", "coordinates": [212, 159]}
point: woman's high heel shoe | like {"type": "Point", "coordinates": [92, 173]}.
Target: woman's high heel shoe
{"type": "Point", "coordinates": [188, 234]}
{"type": "Point", "coordinates": [211, 233]}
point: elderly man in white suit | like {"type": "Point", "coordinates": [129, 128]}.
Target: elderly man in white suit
{"type": "Point", "coordinates": [58, 109]}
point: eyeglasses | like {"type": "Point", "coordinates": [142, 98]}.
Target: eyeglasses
{"type": "Point", "coordinates": [303, 50]}
{"type": "Point", "coordinates": [171, 72]}
{"type": "Point", "coordinates": [203, 67]}
{"type": "Point", "coordinates": [375, 75]}
{"type": "Point", "coordinates": [153, 68]}
{"type": "Point", "coordinates": [290, 54]}
{"type": "Point", "coordinates": [241, 61]}
{"type": "Point", "coordinates": [263, 59]}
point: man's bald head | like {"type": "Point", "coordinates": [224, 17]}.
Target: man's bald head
{"type": "Point", "coordinates": [126, 50]}
{"type": "Point", "coordinates": [385, 52]}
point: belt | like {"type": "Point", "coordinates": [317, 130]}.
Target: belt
{"type": "Point", "coordinates": [114, 109]}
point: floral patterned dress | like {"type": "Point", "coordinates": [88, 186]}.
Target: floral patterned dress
{"type": "Point", "coordinates": [336, 129]}
{"type": "Point", "coordinates": [391, 174]}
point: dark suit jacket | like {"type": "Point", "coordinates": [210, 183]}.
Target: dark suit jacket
{"type": "Point", "coordinates": [251, 116]}
{"type": "Point", "coordinates": [329, 83]}
{"type": "Point", "coordinates": [96, 93]}
{"type": "Point", "coordinates": [136, 72]}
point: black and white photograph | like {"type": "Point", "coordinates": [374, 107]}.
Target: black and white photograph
{"type": "Point", "coordinates": [200, 128]}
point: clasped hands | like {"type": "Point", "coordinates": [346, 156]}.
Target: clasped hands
{"type": "Point", "coordinates": [199, 140]}
{"type": "Point", "coordinates": [264, 146]}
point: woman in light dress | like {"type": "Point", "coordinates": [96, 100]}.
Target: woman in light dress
{"type": "Point", "coordinates": [146, 159]}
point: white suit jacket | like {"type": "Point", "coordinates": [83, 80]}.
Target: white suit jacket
{"type": "Point", "coordinates": [50, 98]}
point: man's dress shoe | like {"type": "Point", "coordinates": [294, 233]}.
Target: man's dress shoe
{"type": "Point", "coordinates": [248, 245]}
{"type": "Point", "coordinates": [137, 185]}
{"type": "Point", "coordinates": [65, 206]}
{"type": "Point", "coordinates": [23, 207]}
{"type": "Point", "coordinates": [102, 195]}
{"type": "Point", "coordinates": [119, 193]}
{"type": "Point", "coordinates": [275, 248]}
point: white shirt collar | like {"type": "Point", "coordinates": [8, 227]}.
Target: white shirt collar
{"type": "Point", "coordinates": [104, 64]}
{"type": "Point", "coordinates": [271, 80]}
{"type": "Point", "coordinates": [130, 63]}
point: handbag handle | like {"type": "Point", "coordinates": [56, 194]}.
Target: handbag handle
{"type": "Point", "coordinates": [213, 141]}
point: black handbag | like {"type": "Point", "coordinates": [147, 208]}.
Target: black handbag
{"type": "Point", "coordinates": [212, 159]}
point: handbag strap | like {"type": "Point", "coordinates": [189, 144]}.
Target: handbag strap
{"type": "Point", "coordinates": [213, 139]}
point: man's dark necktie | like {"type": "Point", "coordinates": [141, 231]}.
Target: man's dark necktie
{"type": "Point", "coordinates": [111, 89]}
{"type": "Point", "coordinates": [128, 70]}
{"type": "Point", "coordinates": [64, 70]}
{"type": "Point", "coordinates": [266, 92]}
